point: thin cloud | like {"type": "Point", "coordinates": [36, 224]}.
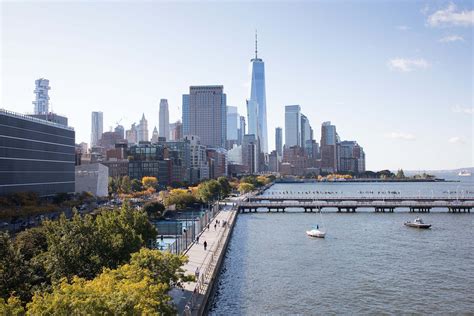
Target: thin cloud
{"type": "Point", "coordinates": [407, 64]}
{"type": "Point", "coordinates": [456, 140]}
{"type": "Point", "coordinates": [451, 17]}
{"type": "Point", "coordinates": [465, 110]}
{"type": "Point", "coordinates": [403, 28]}
{"type": "Point", "coordinates": [402, 136]}
{"type": "Point", "coordinates": [451, 38]}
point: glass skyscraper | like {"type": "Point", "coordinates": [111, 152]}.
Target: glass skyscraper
{"type": "Point", "coordinates": [292, 125]}
{"type": "Point", "coordinates": [185, 118]}
{"type": "Point", "coordinates": [257, 95]}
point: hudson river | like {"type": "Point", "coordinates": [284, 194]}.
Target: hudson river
{"type": "Point", "coordinates": [369, 263]}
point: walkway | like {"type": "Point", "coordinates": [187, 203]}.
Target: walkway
{"type": "Point", "coordinates": [206, 261]}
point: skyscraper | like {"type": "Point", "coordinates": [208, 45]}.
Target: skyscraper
{"type": "Point", "coordinates": [329, 139]}
{"type": "Point", "coordinates": [292, 125]}
{"type": "Point", "coordinates": [143, 130]}
{"type": "Point", "coordinates": [41, 102]}
{"type": "Point", "coordinates": [207, 115]}
{"type": "Point", "coordinates": [257, 95]}
{"type": "Point", "coordinates": [185, 118]}
{"type": "Point", "coordinates": [97, 127]}
{"type": "Point", "coordinates": [119, 130]}
{"type": "Point", "coordinates": [306, 130]}
{"type": "Point", "coordinates": [242, 130]}
{"type": "Point", "coordinates": [279, 141]}
{"type": "Point", "coordinates": [232, 121]}
{"type": "Point", "coordinates": [164, 119]}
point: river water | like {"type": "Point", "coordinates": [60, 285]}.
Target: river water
{"type": "Point", "coordinates": [369, 263]}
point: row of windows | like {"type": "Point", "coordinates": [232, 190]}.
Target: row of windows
{"type": "Point", "coordinates": [42, 188]}
{"type": "Point", "coordinates": [33, 166]}
{"type": "Point", "coordinates": [21, 178]}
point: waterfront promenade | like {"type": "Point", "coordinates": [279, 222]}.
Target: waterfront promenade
{"type": "Point", "coordinates": [192, 298]}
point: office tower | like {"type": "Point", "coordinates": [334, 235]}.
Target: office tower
{"type": "Point", "coordinates": [97, 128]}
{"type": "Point", "coordinates": [250, 153]}
{"type": "Point", "coordinates": [41, 102]}
{"type": "Point", "coordinates": [242, 130]}
{"type": "Point", "coordinates": [232, 123]}
{"type": "Point", "coordinates": [38, 157]}
{"type": "Point", "coordinates": [199, 165]}
{"type": "Point", "coordinates": [131, 135]}
{"type": "Point", "coordinates": [207, 115]}
{"type": "Point", "coordinates": [257, 95]}
{"type": "Point", "coordinates": [176, 130]}
{"type": "Point", "coordinates": [143, 130]}
{"type": "Point", "coordinates": [351, 157]}
{"type": "Point", "coordinates": [252, 117]}
{"type": "Point", "coordinates": [292, 125]}
{"type": "Point", "coordinates": [185, 114]}
{"type": "Point", "coordinates": [306, 130]}
{"type": "Point", "coordinates": [164, 124]}
{"type": "Point", "coordinates": [329, 139]}
{"type": "Point", "coordinates": [279, 141]}
{"type": "Point", "coordinates": [119, 130]}
{"type": "Point", "coordinates": [273, 162]}
{"type": "Point", "coordinates": [154, 136]}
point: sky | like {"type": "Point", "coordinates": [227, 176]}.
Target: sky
{"type": "Point", "coordinates": [396, 76]}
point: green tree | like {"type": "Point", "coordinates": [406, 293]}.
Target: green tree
{"type": "Point", "coordinates": [181, 198]}
{"type": "Point", "coordinates": [140, 287]}
{"type": "Point", "coordinates": [136, 185]}
{"type": "Point", "coordinates": [209, 191]}
{"type": "Point", "coordinates": [225, 186]}
{"type": "Point", "coordinates": [125, 184]}
{"type": "Point", "coordinates": [11, 307]}
{"type": "Point", "coordinates": [400, 174]}
{"type": "Point", "coordinates": [14, 272]}
{"type": "Point", "coordinates": [74, 247]}
{"type": "Point", "coordinates": [245, 187]}
{"type": "Point", "coordinates": [154, 209]}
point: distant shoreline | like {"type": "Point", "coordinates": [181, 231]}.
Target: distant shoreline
{"type": "Point", "coordinates": [362, 180]}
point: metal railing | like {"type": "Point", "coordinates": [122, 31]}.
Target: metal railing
{"type": "Point", "coordinates": [211, 258]}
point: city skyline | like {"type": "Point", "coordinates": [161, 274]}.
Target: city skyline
{"type": "Point", "coordinates": [410, 100]}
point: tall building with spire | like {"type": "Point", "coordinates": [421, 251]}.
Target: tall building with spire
{"type": "Point", "coordinates": [256, 105]}
{"type": "Point", "coordinates": [164, 119]}
{"type": "Point", "coordinates": [143, 130]}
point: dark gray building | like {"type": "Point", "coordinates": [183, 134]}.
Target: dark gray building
{"type": "Point", "coordinates": [35, 155]}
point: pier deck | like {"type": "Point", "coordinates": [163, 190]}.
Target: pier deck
{"type": "Point", "coordinates": [191, 300]}
{"type": "Point", "coordinates": [352, 204]}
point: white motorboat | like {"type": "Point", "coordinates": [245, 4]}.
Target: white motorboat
{"type": "Point", "coordinates": [464, 173]}
{"type": "Point", "coordinates": [316, 232]}
{"type": "Point", "coordinates": [417, 223]}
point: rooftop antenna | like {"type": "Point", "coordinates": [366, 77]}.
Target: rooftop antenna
{"type": "Point", "coordinates": [256, 42]}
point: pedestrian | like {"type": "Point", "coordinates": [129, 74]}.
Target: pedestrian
{"type": "Point", "coordinates": [197, 239]}
{"type": "Point", "coordinates": [196, 273]}
{"type": "Point", "coordinates": [215, 225]}
{"type": "Point", "coordinates": [205, 245]}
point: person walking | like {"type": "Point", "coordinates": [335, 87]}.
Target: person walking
{"type": "Point", "coordinates": [215, 226]}
{"type": "Point", "coordinates": [197, 239]}
{"type": "Point", "coordinates": [205, 245]}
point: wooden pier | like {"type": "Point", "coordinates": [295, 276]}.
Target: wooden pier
{"type": "Point", "coordinates": [350, 205]}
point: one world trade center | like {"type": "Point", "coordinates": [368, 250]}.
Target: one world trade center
{"type": "Point", "coordinates": [256, 105]}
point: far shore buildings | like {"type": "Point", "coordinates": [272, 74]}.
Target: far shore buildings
{"type": "Point", "coordinates": [208, 115]}
{"type": "Point", "coordinates": [164, 120]}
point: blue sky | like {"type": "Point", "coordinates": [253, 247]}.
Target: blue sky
{"type": "Point", "coordinates": [397, 76]}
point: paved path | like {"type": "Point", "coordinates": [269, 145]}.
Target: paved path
{"type": "Point", "coordinates": [200, 258]}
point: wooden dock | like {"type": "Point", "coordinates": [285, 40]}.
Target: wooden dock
{"type": "Point", "coordinates": [349, 204]}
